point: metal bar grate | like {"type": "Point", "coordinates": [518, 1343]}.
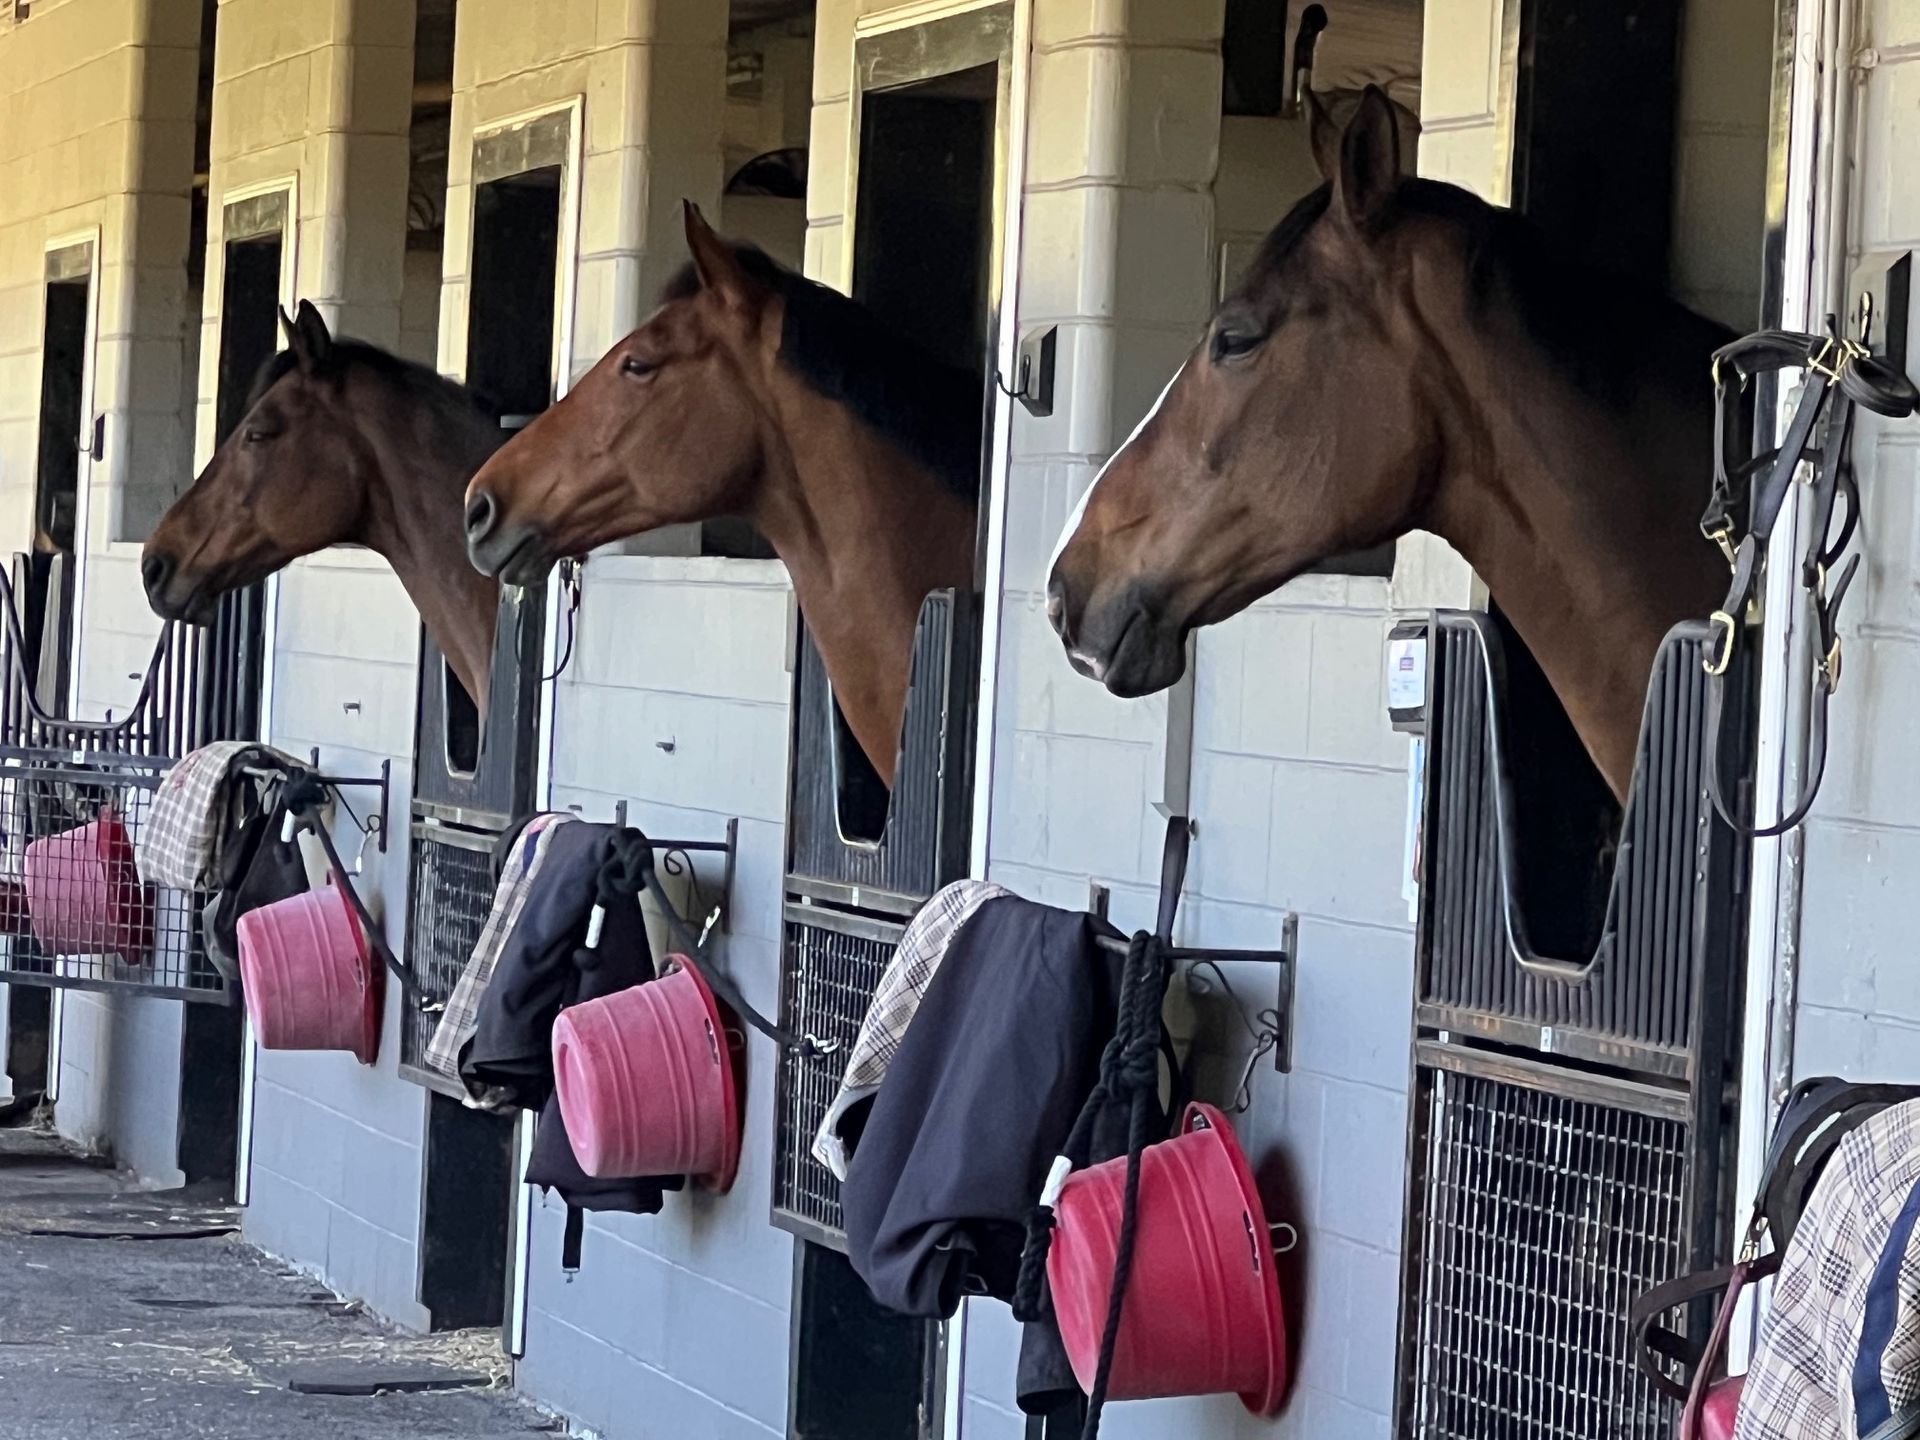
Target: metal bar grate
{"type": "Point", "coordinates": [1540, 1217]}
{"type": "Point", "coordinates": [83, 919]}
{"type": "Point", "coordinates": [832, 964]}
{"type": "Point", "coordinates": [450, 891]}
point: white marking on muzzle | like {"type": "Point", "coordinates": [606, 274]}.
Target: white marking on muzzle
{"type": "Point", "coordinates": [1080, 510]}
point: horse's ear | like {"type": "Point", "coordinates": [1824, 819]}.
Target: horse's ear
{"type": "Point", "coordinates": [713, 258]}
{"type": "Point", "coordinates": [1323, 135]}
{"type": "Point", "coordinates": [1369, 159]}
{"type": "Point", "coordinates": [308, 336]}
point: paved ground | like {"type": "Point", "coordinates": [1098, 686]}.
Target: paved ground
{"type": "Point", "coordinates": [186, 1333]}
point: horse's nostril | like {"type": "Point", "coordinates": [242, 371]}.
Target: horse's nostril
{"type": "Point", "coordinates": [1057, 607]}
{"type": "Point", "coordinates": [155, 571]}
{"type": "Point", "coordinates": [481, 513]}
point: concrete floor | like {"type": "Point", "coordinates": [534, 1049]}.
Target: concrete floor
{"type": "Point", "coordinates": [190, 1334]}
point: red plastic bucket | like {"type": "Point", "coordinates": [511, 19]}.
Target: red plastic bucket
{"type": "Point", "coordinates": [84, 894]}
{"type": "Point", "coordinates": [646, 1081]}
{"type": "Point", "coordinates": [308, 977]}
{"type": "Point", "coordinates": [1202, 1314]}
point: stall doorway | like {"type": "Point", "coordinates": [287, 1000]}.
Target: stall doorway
{"type": "Point", "coordinates": [475, 777]}
{"type": "Point", "coordinates": [928, 184]}
{"type": "Point", "coordinates": [70, 440]}
{"type": "Point", "coordinates": [229, 659]}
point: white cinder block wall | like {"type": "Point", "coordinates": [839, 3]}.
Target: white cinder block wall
{"type": "Point", "coordinates": [677, 702]}
{"type": "Point", "coordinates": [1859, 1011]}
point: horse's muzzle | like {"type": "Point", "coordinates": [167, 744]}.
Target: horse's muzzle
{"type": "Point", "coordinates": [1123, 641]}
{"type": "Point", "coordinates": [168, 598]}
{"type": "Point", "coordinates": [508, 550]}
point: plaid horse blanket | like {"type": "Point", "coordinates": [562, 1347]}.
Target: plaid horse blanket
{"type": "Point", "coordinates": [1839, 1354]}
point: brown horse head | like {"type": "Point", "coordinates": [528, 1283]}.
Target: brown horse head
{"type": "Point", "coordinates": [666, 429]}
{"type": "Point", "coordinates": [755, 393]}
{"type": "Point", "coordinates": [1405, 356]}
{"type": "Point", "coordinates": [340, 443]}
{"type": "Point", "coordinates": [1298, 429]}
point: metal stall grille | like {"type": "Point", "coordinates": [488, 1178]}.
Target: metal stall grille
{"type": "Point", "coordinates": [1544, 1215]}
{"type": "Point", "coordinates": [450, 890]}
{"type": "Point", "coordinates": [833, 963]}
{"type": "Point", "coordinates": [96, 926]}
{"type": "Point", "coordinates": [1636, 1005]}
{"type": "Point", "coordinates": [920, 847]}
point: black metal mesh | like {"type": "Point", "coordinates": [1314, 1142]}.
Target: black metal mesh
{"type": "Point", "coordinates": [1543, 1216]}
{"type": "Point", "coordinates": [450, 891]}
{"type": "Point", "coordinates": [75, 912]}
{"type": "Point", "coordinates": [831, 969]}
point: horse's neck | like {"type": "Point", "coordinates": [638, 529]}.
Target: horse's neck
{"type": "Point", "coordinates": [1582, 520]}
{"type": "Point", "coordinates": [866, 534]}
{"type": "Point", "coordinates": [417, 526]}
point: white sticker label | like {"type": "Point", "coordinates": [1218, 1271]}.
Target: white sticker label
{"type": "Point", "coordinates": [1407, 673]}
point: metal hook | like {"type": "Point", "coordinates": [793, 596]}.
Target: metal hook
{"type": "Point", "coordinates": [1265, 1034]}
{"type": "Point", "coordinates": [1293, 1237]}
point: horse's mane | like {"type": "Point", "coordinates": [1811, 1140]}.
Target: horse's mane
{"type": "Point", "coordinates": [1601, 329]}
{"type": "Point", "coordinates": [844, 352]}
{"type": "Point", "coordinates": [445, 399]}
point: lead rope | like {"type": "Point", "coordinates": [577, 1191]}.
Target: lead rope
{"type": "Point", "coordinates": [1129, 1076]}
{"type": "Point", "coordinates": [629, 871]}
{"type": "Point", "coordinates": [303, 798]}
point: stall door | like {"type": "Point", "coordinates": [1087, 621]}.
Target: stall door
{"type": "Point", "coordinates": [927, 174]}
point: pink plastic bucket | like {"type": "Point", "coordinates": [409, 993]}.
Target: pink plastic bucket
{"type": "Point", "coordinates": [84, 894]}
{"type": "Point", "coordinates": [307, 975]}
{"type": "Point", "coordinates": [646, 1081]}
{"type": "Point", "coordinates": [1202, 1314]}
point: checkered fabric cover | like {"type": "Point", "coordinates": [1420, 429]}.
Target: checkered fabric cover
{"type": "Point", "coordinates": [1857, 1237]}
{"type": "Point", "coordinates": [179, 844]}
{"type": "Point", "coordinates": [462, 1016]}
{"type": "Point", "coordinates": [923, 946]}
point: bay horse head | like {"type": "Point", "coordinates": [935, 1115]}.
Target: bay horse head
{"type": "Point", "coordinates": [1300, 428]}
{"type": "Point", "coordinates": [755, 393]}
{"type": "Point", "coordinates": [1402, 355]}
{"type": "Point", "coordinates": [340, 443]}
{"type": "Point", "coordinates": [666, 429]}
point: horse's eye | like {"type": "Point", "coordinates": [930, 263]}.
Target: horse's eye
{"type": "Point", "coordinates": [257, 436]}
{"type": "Point", "coordinates": [633, 365]}
{"type": "Point", "coordinates": [1231, 344]}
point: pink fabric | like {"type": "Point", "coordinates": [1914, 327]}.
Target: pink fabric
{"type": "Point", "coordinates": [84, 896]}
{"type": "Point", "coordinates": [1721, 1409]}
{"type": "Point", "coordinates": [309, 980]}
{"type": "Point", "coordinates": [1203, 1313]}
{"type": "Point", "coordinates": [646, 1081]}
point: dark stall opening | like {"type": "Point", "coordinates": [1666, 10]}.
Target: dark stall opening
{"type": "Point", "coordinates": [56, 490]}
{"type": "Point", "coordinates": [860, 1371]}
{"type": "Point", "coordinates": [465, 1215]}
{"type": "Point", "coordinates": [923, 248]}
{"type": "Point", "coordinates": [249, 323]}
{"type": "Point", "coordinates": [516, 247]}
{"type": "Point", "coordinates": [28, 1041]}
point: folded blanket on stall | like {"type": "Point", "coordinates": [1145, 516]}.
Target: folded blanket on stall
{"type": "Point", "coordinates": [517, 879]}
{"type": "Point", "coordinates": [979, 1097]}
{"type": "Point", "coordinates": [895, 1002]}
{"type": "Point", "coordinates": [1839, 1353]}
{"type": "Point", "coordinates": [194, 811]}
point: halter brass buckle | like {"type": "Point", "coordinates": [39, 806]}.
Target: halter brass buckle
{"type": "Point", "coordinates": [1723, 537]}
{"type": "Point", "coordinates": [1829, 666]}
{"type": "Point", "coordinates": [1725, 629]}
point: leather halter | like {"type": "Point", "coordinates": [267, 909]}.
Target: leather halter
{"type": "Point", "coordinates": [1840, 374]}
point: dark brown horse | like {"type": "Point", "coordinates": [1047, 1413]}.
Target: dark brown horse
{"type": "Point", "coordinates": [341, 444]}
{"type": "Point", "coordinates": [757, 394]}
{"type": "Point", "coordinates": [1404, 356]}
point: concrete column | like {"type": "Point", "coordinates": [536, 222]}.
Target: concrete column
{"type": "Point", "coordinates": [321, 94]}
{"type": "Point", "coordinates": [652, 78]}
